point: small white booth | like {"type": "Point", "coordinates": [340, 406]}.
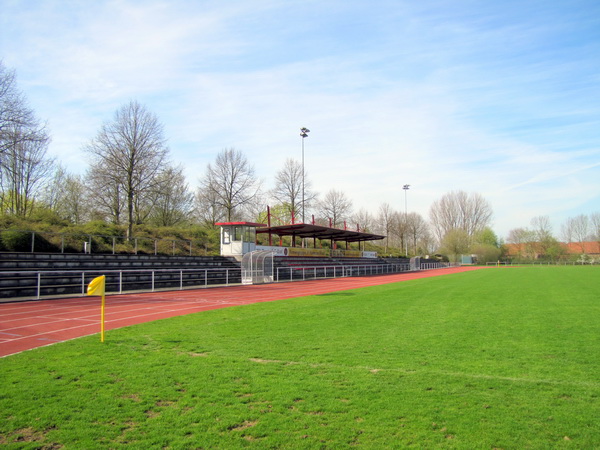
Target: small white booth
{"type": "Point", "coordinates": [238, 238]}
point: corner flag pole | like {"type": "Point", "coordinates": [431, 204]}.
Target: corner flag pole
{"type": "Point", "coordinates": [97, 287]}
{"type": "Point", "coordinates": [102, 318]}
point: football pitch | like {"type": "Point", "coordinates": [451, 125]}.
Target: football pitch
{"type": "Point", "coordinates": [496, 358]}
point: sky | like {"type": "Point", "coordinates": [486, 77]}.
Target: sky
{"type": "Point", "coordinates": [497, 98]}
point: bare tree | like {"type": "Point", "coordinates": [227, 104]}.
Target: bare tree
{"type": "Point", "coordinates": [417, 232]}
{"type": "Point", "coordinates": [385, 222]}
{"type": "Point", "coordinates": [542, 228]}
{"type": "Point", "coordinates": [335, 206]}
{"type": "Point", "coordinates": [172, 199]}
{"type": "Point", "coordinates": [52, 191]}
{"type": "Point", "coordinates": [129, 154]}
{"type": "Point", "coordinates": [111, 204]}
{"type": "Point", "coordinates": [542, 236]}
{"type": "Point", "coordinates": [595, 225]}
{"type": "Point", "coordinates": [399, 230]}
{"type": "Point", "coordinates": [288, 188]}
{"type": "Point", "coordinates": [23, 169]}
{"type": "Point", "coordinates": [517, 236]}
{"type": "Point", "coordinates": [24, 164]}
{"type": "Point", "coordinates": [230, 183]}
{"type": "Point", "coordinates": [207, 209]}
{"type": "Point", "coordinates": [567, 230]}
{"type": "Point", "coordinates": [15, 114]}
{"type": "Point", "coordinates": [544, 244]}
{"type": "Point", "coordinates": [74, 205]}
{"type": "Point", "coordinates": [66, 195]}
{"type": "Point", "coordinates": [426, 245]}
{"type": "Point", "coordinates": [459, 210]}
{"type": "Point", "coordinates": [256, 209]}
{"type": "Point", "coordinates": [364, 220]}
{"type": "Point", "coordinates": [581, 230]}
{"type": "Point", "coordinates": [524, 241]}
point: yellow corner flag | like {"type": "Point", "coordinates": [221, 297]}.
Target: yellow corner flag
{"type": "Point", "coordinates": [97, 287]}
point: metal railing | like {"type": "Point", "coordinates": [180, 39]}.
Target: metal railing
{"type": "Point", "coordinates": [38, 284]}
{"type": "Point", "coordinates": [335, 271]}
{"type": "Point", "coordinates": [51, 242]}
{"type": "Point", "coordinates": [53, 283]}
{"type": "Point", "coordinates": [546, 263]}
{"type": "Point", "coordinates": [338, 271]}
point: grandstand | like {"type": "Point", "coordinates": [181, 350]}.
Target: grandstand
{"type": "Point", "coordinates": [239, 238]}
{"type": "Point", "coordinates": [36, 275]}
{"type": "Point", "coordinates": [33, 275]}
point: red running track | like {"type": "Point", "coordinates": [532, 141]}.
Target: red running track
{"type": "Point", "coordinates": [27, 325]}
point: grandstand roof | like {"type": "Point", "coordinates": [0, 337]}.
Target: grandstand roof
{"type": "Point", "coordinates": [304, 230]}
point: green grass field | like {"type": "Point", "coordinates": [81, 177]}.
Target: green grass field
{"type": "Point", "coordinates": [496, 358]}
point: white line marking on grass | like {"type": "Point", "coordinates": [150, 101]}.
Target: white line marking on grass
{"type": "Point", "coordinates": [431, 372]}
{"type": "Point", "coordinates": [518, 379]}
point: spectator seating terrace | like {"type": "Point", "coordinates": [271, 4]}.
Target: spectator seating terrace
{"type": "Point", "coordinates": [26, 274]}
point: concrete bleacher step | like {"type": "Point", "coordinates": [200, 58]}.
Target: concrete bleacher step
{"type": "Point", "coordinates": [16, 261]}
{"type": "Point", "coordinates": [71, 267]}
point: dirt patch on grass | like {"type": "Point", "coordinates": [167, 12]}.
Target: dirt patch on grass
{"type": "Point", "coordinates": [165, 403]}
{"type": "Point", "coordinates": [29, 435]}
{"type": "Point", "coordinates": [264, 361]}
{"type": "Point", "coordinates": [243, 426]}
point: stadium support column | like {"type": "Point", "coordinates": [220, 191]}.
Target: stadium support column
{"type": "Point", "coordinates": [269, 225]}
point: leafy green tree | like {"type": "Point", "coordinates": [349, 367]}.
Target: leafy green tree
{"type": "Point", "coordinates": [455, 243]}
{"type": "Point", "coordinates": [554, 250]}
{"type": "Point", "coordinates": [487, 237]}
{"type": "Point", "coordinates": [486, 246]}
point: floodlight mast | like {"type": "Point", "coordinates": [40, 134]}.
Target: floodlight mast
{"type": "Point", "coordinates": [303, 134]}
{"type": "Point", "coordinates": [406, 187]}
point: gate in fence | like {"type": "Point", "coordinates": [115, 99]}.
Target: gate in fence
{"type": "Point", "coordinates": [257, 267]}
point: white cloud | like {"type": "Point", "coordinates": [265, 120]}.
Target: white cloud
{"type": "Point", "coordinates": [442, 97]}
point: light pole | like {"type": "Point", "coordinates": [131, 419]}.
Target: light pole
{"type": "Point", "coordinates": [406, 187]}
{"type": "Point", "coordinates": [303, 133]}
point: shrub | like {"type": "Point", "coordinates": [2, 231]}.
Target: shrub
{"type": "Point", "coordinates": [16, 241]}
{"type": "Point", "coordinates": [20, 241]}
{"type": "Point", "coordinates": [44, 215]}
{"type": "Point", "coordinates": [486, 253]}
{"type": "Point", "coordinates": [100, 228]}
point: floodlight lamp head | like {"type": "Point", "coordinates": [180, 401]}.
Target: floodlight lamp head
{"type": "Point", "coordinates": [406, 186]}
{"type": "Point", "coordinates": [304, 132]}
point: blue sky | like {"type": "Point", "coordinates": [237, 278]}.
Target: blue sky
{"type": "Point", "coordinates": [499, 98]}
